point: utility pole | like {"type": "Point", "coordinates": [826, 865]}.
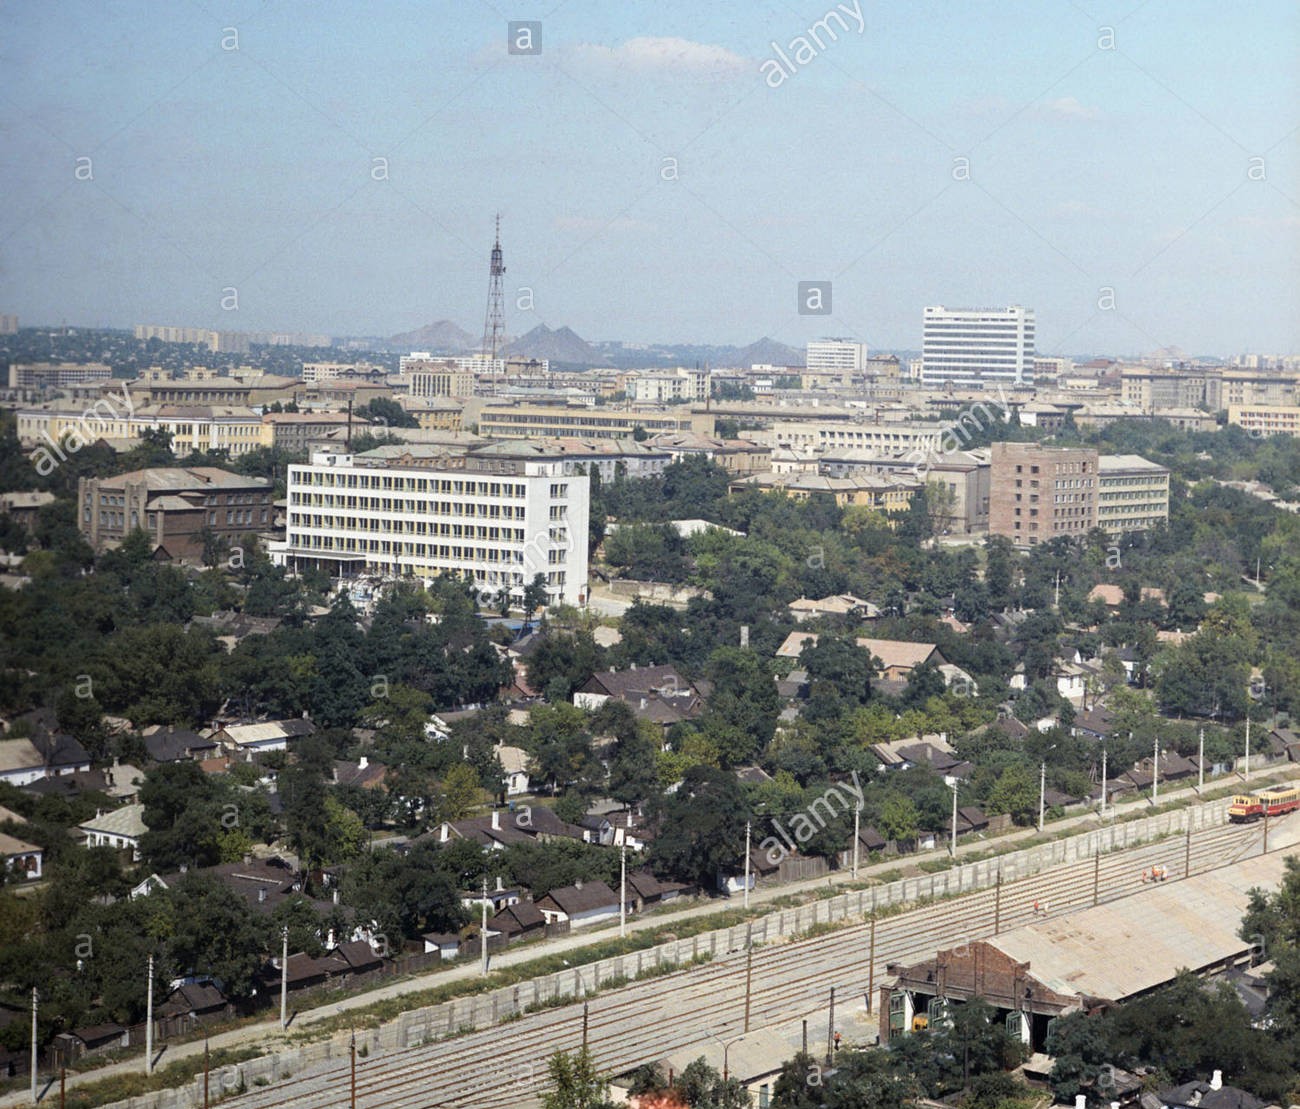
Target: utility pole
{"type": "Point", "coordinates": [148, 1024]}
{"type": "Point", "coordinates": [997, 902]}
{"type": "Point", "coordinates": [352, 1051]}
{"type": "Point", "coordinates": [871, 968]}
{"type": "Point", "coordinates": [1103, 781]}
{"type": "Point", "coordinates": [749, 975]}
{"type": "Point", "coordinates": [1096, 877]}
{"type": "Point", "coordinates": [830, 1032]}
{"type": "Point", "coordinates": [1246, 765]}
{"type": "Point", "coordinates": [747, 823]}
{"type": "Point", "coordinates": [206, 1070]}
{"type": "Point", "coordinates": [622, 888]}
{"type": "Point", "coordinates": [857, 816]}
{"type": "Point", "coordinates": [483, 964]}
{"type": "Point", "coordinates": [954, 819]}
{"type": "Point", "coordinates": [1200, 762]}
{"type": "Point", "coordinates": [284, 977]}
{"type": "Point", "coordinates": [586, 1012]}
{"type": "Point", "coordinates": [36, 999]}
{"type": "Point", "coordinates": [1042, 793]}
{"type": "Point", "coordinates": [1155, 770]}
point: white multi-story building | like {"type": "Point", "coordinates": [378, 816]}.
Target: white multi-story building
{"type": "Point", "coordinates": [836, 355]}
{"type": "Point", "coordinates": [658, 387]}
{"type": "Point", "coordinates": [498, 521]}
{"type": "Point", "coordinates": [977, 346]}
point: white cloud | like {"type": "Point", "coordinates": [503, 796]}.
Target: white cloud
{"type": "Point", "coordinates": [648, 54]}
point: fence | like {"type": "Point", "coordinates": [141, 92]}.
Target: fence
{"type": "Point", "coordinates": [484, 1010]}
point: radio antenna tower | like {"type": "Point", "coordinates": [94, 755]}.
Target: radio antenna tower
{"type": "Point", "coordinates": [494, 323]}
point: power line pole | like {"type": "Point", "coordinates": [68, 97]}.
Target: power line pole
{"type": "Point", "coordinates": [622, 888]}
{"type": "Point", "coordinates": [1200, 760]}
{"type": "Point", "coordinates": [284, 977]}
{"type": "Point", "coordinates": [352, 1051]}
{"type": "Point", "coordinates": [1246, 765]}
{"type": "Point", "coordinates": [954, 819]}
{"type": "Point", "coordinates": [857, 817]}
{"type": "Point", "coordinates": [483, 964]}
{"type": "Point", "coordinates": [1103, 781]}
{"type": "Point", "coordinates": [36, 999]}
{"type": "Point", "coordinates": [1042, 793]}
{"type": "Point", "coordinates": [148, 1024]}
{"type": "Point", "coordinates": [749, 974]}
{"type": "Point", "coordinates": [1155, 770]}
{"type": "Point", "coordinates": [747, 823]}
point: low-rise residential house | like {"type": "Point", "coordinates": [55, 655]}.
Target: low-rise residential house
{"type": "Point", "coordinates": [1208, 1095]}
{"type": "Point", "coordinates": [518, 921]}
{"type": "Point", "coordinates": [898, 658]}
{"type": "Point", "coordinates": [20, 762]}
{"type": "Point", "coordinates": [1097, 722]}
{"type": "Point", "coordinates": [189, 1006]}
{"type": "Point", "coordinates": [579, 905]}
{"type": "Point", "coordinates": [169, 744]}
{"type": "Point", "coordinates": [93, 1039]}
{"type": "Point", "coordinates": [120, 829]}
{"type": "Point", "coordinates": [841, 604]}
{"type": "Point", "coordinates": [514, 765]}
{"type": "Point", "coordinates": [644, 889]}
{"type": "Point", "coordinates": [268, 735]}
{"type": "Point", "coordinates": [363, 774]}
{"type": "Point", "coordinates": [655, 693]}
{"type": "Point", "coordinates": [446, 944]}
{"type": "Point", "coordinates": [19, 859]}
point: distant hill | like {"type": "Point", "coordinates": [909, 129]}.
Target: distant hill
{"type": "Point", "coordinates": [769, 352]}
{"type": "Point", "coordinates": [443, 337]}
{"type": "Point", "coordinates": [560, 345]}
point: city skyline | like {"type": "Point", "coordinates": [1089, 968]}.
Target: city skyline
{"type": "Point", "coordinates": [1107, 166]}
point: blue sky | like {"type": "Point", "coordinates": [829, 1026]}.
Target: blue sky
{"type": "Point", "coordinates": [653, 185]}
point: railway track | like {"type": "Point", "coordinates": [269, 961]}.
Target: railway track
{"type": "Point", "coordinates": [505, 1066]}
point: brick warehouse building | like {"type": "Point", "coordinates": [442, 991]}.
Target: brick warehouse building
{"type": "Point", "coordinates": [1038, 493]}
{"type": "Point", "coordinates": [176, 505]}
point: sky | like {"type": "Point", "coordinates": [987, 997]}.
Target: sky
{"type": "Point", "coordinates": [665, 172]}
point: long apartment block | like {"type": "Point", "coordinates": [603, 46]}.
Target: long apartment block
{"type": "Point", "coordinates": [496, 521]}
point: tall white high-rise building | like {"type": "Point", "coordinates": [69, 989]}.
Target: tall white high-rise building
{"type": "Point", "coordinates": [977, 346]}
{"type": "Point", "coordinates": [836, 356]}
{"type": "Point", "coordinates": [498, 522]}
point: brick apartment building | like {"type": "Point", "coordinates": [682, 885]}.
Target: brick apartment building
{"type": "Point", "coordinates": [1038, 493]}
{"type": "Point", "coordinates": [175, 505]}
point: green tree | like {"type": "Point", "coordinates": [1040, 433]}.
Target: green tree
{"type": "Point", "coordinates": [899, 818]}
{"type": "Point", "coordinates": [575, 1082]}
{"type": "Point", "coordinates": [702, 828]}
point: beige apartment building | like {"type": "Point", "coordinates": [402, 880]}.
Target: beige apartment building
{"type": "Point", "coordinates": [192, 427]}
{"type": "Point", "coordinates": [514, 421]}
{"type": "Point", "coordinates": [1266, 419]}
{"type": "Point", "coordinates": [1132, 494]}
{"type": "Point", "coordinates": [56, 375]}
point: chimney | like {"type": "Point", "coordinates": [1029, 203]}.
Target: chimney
{"type": "Point", "coordinates": [247, 858]}
{"type": "Point", "coordinates": [1080, 1101]}
{"type": "Point", "coordinates": [1216, 1080]}
{"type": "Point", "coordinates": [744, 635]}
{"type": "Point", "coordinates": [363, 762]}
{"type": "Point", "coordinates": [578, 884]}
{"type": "Point", "coordinates": [496, 820]}
{"type": "Point", "coordinates": [634, 666]}
{"type": "Point", "coordinates": [336, 895]}
{"type": "Point", "coordinates": [261, 894]}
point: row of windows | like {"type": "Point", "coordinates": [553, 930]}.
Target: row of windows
{"type": "Point", "coordinates": [425, 508]}
{"type": "Point", "coordinates": [238, 516]}
{"type": "Point", "coordinates": [400, 484]}
{"type": "Point", "coordinates": [428, 551]}
{"type": "Point", "coordinates": [405, 527]}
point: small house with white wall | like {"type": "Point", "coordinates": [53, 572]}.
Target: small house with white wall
{"type": "Point", "coordinates": [119, 828]}
{"type": "Point", "coordinates": [580, 904]}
